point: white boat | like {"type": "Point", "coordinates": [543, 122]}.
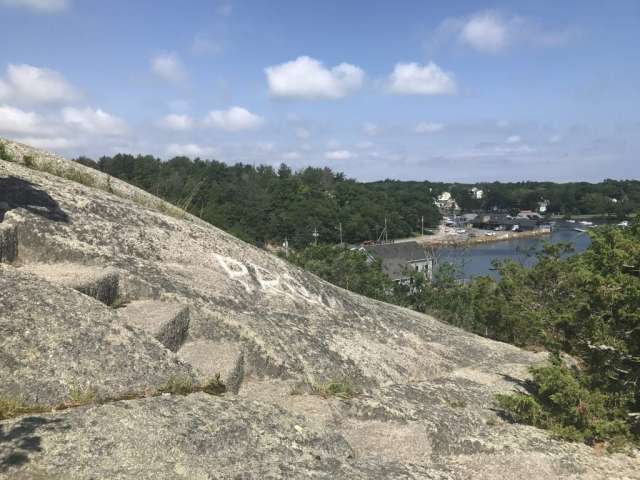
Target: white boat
{"type": "Point", "coordinates": [624, 223]}
{"type": "Point", "coordinates": [585, 222]}
{"type": "Point", "coordinates": [581, 230]}
{"type": "Point", "coordinates": [571, 221]}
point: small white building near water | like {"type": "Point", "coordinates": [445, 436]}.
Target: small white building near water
{"type": "Point", "coordinates": [543, 206]}
{"type": "Point", "coordinates": [446, 203]}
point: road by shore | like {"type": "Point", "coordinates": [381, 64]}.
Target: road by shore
{"type": "Point", "coordinates": [448, 237]}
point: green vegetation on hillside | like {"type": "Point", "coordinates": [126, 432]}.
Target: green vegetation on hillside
{"type": "Point", "coordinates": [610, 197]}
{"type": "Point", "coordinates": [261, 204]}
{"type": "Point", "coordinates": [346, 268]}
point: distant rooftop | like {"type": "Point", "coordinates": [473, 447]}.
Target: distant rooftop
{"type": "Point", "coordinates": [395, 257]}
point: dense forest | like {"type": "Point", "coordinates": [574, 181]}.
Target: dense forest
{"type": "Point", "coordinates": [584, 309]}
{"type": "Point", "coordinates": [261, 204]}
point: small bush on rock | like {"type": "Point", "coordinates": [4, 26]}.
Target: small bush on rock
{"type": "Point", "coordinates": [215, 386]}
{"type": "Point", "coordinates": [562, 402]}
{"type": "Point", "coordinates": [10, 407]}
{"type": "Point", "coordinates": [340, 389]}
{"type": "Point", "coordinates": [178, 385]}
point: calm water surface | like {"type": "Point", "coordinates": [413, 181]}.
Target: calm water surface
{"type": "Point", "coordinates": [476, 260]}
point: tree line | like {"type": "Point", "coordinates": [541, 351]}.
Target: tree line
{"type": "Point", "coordinates": [609, 197]}
{"type": "Point", "coordinates": [262, 204]}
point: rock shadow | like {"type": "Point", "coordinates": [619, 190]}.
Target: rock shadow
{"type": "Point", "coordinates": [20, 440]}
{"type": "Point", "coordinates": [19, 193]}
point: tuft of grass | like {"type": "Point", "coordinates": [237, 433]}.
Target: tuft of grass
{"type": "Point", "coordinates": [3, 153]}
{"type": "Point", "coordinates": [178, 385]}
{"type": "Point", "coordinates": [28, 161]}
{"type": "Point", "coordinates": [11, 407]}
{"type": "Point", "coordinates": [339, 389]}
{"type": "Point", "coordinates": [183, 385]}
{"type": "Point", "coordinates": [215, 386]}
{"type": "Point", "coordinates": [118, 302]}
{"type": "Point", "coordinates": [81, 396]}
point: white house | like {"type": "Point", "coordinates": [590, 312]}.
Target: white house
{"type": "Point", "coordinates": [477, 193]}
{"type": "Point", "coordinates": [446, 203]}
{"type": "Point", "coordinates": [543, 206]}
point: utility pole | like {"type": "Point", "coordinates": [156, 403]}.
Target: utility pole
{"type": "Point", "coordinates": [315, 235]}
{"type": "Point", "coordinates": [286, 247]}
{"type": "Point", "coordinates": [340, 228]}
{"type": "Point", "coordinates": [422, 224]}
{"type": "Point", "coordinates": [386, 232]}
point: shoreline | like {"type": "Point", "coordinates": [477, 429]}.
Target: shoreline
{"type": "Point", "coordinates": [449, 240]}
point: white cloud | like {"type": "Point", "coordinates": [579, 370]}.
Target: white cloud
{"type": "Point", "coordinates": [306, 77]}
{"type": "Point", "coordinates": [492, 32]}
{"type": "Point", "coordinates": [94, 121]}
{"type": "Point", "coordinates": [291, 156]}
{"type": "Point", "coordinates": [414, 79]}
{"type": "Point", "coordinates": [514, 139]}
{"type": "Point", "coordinates": [189, 150]}
{"type": "Point", "coordinates": [175, 121]}
{"type": "Point", "coordinates": [29, 84]}
{"type": "Point", "coordinates": [339, 155]}
{"type": "Point", "coordinates": [487, 32]}
{"type": "Point", "coordinates": [555, 138]}
{"type": "Point", "coordinates": [169, 67]}
{"type": "Point", "coordinates": [429, 127]}
{"type": "Point", "coordinates": [302, 133]}
{"type": "Point", "coordinates": [233, 120]}
{"type": "Point", "coordinates": [46, 6]}
{"type": "Point", "coordinates": [14, 120]}
{"type": "Point", "coordinates": [371, 129]}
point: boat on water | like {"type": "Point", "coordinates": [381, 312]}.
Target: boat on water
{"type": "Point", "coordinates": [571, 221]}
{"type": "Point", "coordinates": [581, 230]}
{"type": "Point", "coordinates": [586, 223]}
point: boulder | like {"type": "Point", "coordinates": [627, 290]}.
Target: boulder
{"type": "Point", "coordinates": [168, 322]}
{"type": "Point", "coordinates": [56, 343]}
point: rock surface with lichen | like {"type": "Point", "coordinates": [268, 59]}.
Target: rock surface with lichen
{"type": "Point", "coordinates": [107, 289]}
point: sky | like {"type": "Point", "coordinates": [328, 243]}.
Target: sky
{"type": "Point", "coordinates": [457, 91]}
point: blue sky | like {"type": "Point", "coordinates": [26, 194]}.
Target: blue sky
{"type": "Point", "coordinates": [455, 91]}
